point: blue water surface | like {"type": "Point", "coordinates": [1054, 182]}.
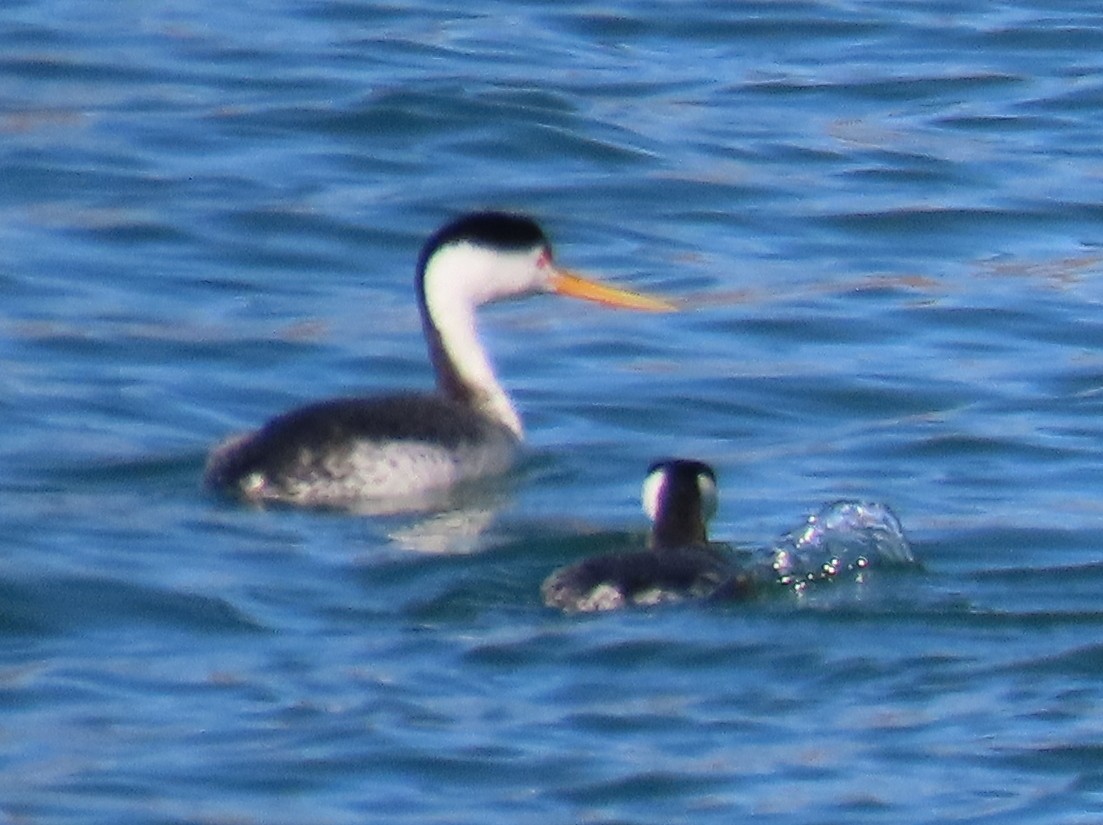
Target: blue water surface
{"type": "Point", "coordinates": [884, 221]}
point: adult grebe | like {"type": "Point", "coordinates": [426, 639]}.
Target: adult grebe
{"type": "Point", "coordinates": [347, 452]}
{"type": "Point", "coordinates": [679, 496]}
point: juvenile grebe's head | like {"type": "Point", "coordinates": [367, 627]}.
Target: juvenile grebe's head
{"type": "Point", "coordinates": [679, 496]}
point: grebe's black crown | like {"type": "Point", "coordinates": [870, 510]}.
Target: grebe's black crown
{"type": "Point", "coordinates": [685, 470]}
{"type": "Point", "coordinates": [494, 230]}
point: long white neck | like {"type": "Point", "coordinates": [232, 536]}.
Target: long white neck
{"type": "Point", "coordinates": [457, 279]}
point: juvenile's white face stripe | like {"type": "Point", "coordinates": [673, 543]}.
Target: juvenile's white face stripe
{"type": "Point", "coordinates": [653, 488]}
{"type": "Point", "coordinates": [709, 495]}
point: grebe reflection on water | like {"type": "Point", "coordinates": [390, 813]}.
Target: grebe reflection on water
{"type": "Point", "coordinates": [408, 447]}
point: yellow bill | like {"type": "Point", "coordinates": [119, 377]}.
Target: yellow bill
{"type": "Point", "coordinates": [568, 283]}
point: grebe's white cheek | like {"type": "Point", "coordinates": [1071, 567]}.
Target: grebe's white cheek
{"type": "Point", "coordinates": [654, 488]}
{"type": "Point", "coordinates": [509, 274]}
{"type": "Point", "coordinates": [706, 487]}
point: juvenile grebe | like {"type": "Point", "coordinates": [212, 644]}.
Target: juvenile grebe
{"type": "Point", "coordinates": [679, 496]}
{"type": "Point", "coordinates": [348, 451]}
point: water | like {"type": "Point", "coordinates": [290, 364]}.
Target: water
{"type": "Point", "coordinates": [884, 220]}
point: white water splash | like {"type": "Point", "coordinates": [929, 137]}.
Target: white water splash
{"type": "Point", "coordinates": [845, 537]}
